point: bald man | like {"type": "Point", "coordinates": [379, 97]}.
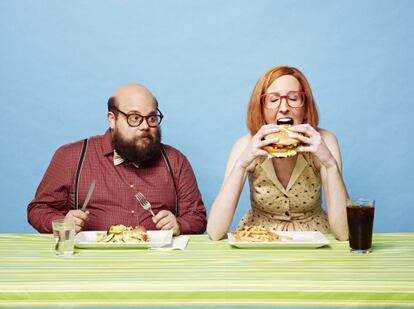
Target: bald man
{"type": "Point", "coordinates": [129, 158]}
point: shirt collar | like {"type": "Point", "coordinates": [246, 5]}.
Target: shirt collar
{"type": "Point", "coordinates": [107, 143]}
{"type": "Point", "coordinates": [300, 165]}
{"type": "Point", "coordinates": [119, 160]}
{"type": "Point", "coordinates": [108, 149]}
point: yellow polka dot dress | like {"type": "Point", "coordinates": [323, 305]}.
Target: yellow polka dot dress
{"type": "Point", "coordinates": [294, 208]}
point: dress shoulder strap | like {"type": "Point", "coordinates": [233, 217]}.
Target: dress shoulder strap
{"type": "Point", "coordinates": [309, 158]}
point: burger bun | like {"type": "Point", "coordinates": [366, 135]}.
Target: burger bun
{"type": "Point", "coordinates": [284, 147]}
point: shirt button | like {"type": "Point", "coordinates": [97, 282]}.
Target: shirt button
{"type": "Point", "coordinates": [131, 186]}
{"type": "Point", "coordinates": [132, 211]}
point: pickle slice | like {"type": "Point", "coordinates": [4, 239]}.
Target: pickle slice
{"type": "Point", "coordinates": [108, 237]}
{"type": "Point", "coordinates": [117, 229]}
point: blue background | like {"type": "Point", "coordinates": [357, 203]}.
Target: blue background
{"type": "Point", "coordinates": [60, 61]}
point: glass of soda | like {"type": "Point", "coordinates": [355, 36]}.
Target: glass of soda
{"type": "Point", "coordinates": [360, 214]}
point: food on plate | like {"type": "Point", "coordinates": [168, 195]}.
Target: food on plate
{"type": "Point", "coordinates": [285, 147]}
{"type": "Point", "coordinates": [255, 233]}
{"type": "Point", "coordinates": [121, 233]}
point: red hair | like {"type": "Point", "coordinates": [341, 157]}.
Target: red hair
{"type": "Point", "coordinates": [255, 117]}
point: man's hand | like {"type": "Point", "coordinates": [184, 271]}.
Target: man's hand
{"type": "Point", "coordinates": [165, 220]}
{"type": "Point", "coordinates": [79, 217]}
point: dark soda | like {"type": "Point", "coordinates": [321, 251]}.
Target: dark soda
{"type": "Point", "coordinates": [360, 224]}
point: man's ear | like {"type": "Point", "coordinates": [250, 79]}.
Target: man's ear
{"type": "Point", "coordinates": [111, 120]}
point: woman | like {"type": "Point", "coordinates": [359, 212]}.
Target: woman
{"type": "Point", "coordinates": [285, 193]}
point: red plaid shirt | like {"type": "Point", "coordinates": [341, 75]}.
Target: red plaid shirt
{"type": "Point", "coordinates": [113, 200]}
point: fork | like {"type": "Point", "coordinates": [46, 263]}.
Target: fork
{"type": "Point", "coordinates": [142, 200]}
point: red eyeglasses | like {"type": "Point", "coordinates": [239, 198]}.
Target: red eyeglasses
{"type": "Point", "coordinates": [294, 99]}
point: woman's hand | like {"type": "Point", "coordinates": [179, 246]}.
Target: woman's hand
{"type": "Point", "coordinates": [254, 148]}
{"type": "Point", "coordinates": [312, 142]}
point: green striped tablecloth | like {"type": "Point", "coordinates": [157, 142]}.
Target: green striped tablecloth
{"type": "Point", "coordinates": [207, 273]}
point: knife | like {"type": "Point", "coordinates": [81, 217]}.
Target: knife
{"type": "Point", "coordinates": [89, 195]}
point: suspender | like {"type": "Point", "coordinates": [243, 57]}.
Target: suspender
{"type": "Point", "coordinates": [165, 157]}
{"type": "Point", "coordinates": [82, 158]}
{"type": "Point", "coordinates": [79, 169]}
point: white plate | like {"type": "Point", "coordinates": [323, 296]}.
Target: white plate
{"type": "Point", "coordinates": [298, 240]}
{"type": "Point", "coordinates": [157, 239]}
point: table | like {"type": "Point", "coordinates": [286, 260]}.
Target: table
{"type": "Point", "coordinates": [207, 273]}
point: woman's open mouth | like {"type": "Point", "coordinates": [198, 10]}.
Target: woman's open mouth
{"type": "Point", "coordinates": [286, 120]}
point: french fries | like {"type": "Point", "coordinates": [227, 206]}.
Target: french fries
{"type": "Point", "coordinates": [255, 233]}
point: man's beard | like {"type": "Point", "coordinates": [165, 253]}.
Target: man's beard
{"type": "Point", "coordinates": [131, 152]}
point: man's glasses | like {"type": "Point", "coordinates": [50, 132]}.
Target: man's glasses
{"type": "Point", "coordinates": [134, 119]}
{"type": "Point", "coordinates": [294, 99]}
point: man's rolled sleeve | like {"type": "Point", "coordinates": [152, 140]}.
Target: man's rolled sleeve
{"type": "Point", "coordinates": [191, 210]}
{"type": "Point", "coordinates": [51, 198]}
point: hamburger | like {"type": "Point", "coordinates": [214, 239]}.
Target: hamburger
{"type": "Point", "coordinates": [285, 147]}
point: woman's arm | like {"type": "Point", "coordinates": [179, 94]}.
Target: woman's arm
{"type": "Point", "coordinates": [224, 206]}
{"type": "Point", "coordinates": [327, 157]}
{"type": "Point", "coordinates": [240, 162]}
{"type": "Point", "coordinates": [334, 188]}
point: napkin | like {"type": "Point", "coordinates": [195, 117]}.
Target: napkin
{"type": "Point", "coordinates": [178, 243]}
